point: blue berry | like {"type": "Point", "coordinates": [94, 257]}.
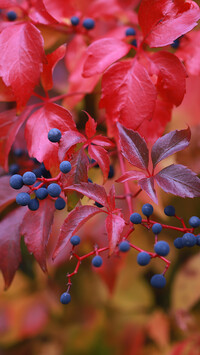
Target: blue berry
{"type": "Point", "coordinates": [74, 20]}
{"type": "Point", "coordinates": [54, 135]}
{"type": "Point", "coordinates": [194, 222]}
{"type": "Point", "coordinates": [65, 166]}
{"type": "Point", "coordinates": [130, 32]}
{"type": "Point", "coordinates": [97, 261]}
{"type": "Point", "coordinates": [33, 204]}
{"type": "Point", "coordinates": [90, 180]}
{"type": "Point", "coordinates": [198, 240]}
{"type": "Point", "coordinates": [94, 162]}
{"type": "Point", "coordinates": [156, 228]}
{"type": "Point", "coordinates": [111, 172]}
{"type": "Point", "coordinates": [178, 243]}
{"type": "Point", "coordinates": [18, 152]}
{"type": "Point", "coordinates": [189, 240]}
{"type": "Point", "coordinates": [54, 190]}
{"type": "Point", "coordinates": [158, 281]}
{"type": "Point", "coordinates": [134, 43]}
{"type": "Point", "coordinates": [98, 204]}
{"type": "Point", "coordinates": [13, 169]}
{"type": "Point", "coordinates": [41, 193]}
{"type": "Point", "coordinates": [161, 248]}
{"type": "Point", "coordinates": [175, 44]}
{"type": "Point", "coordinates": [65, 298]}
{"type": "Point", "coordinates": [89, 23]}
{"type": "Point", "coordinates": [60, 203]}
{"type": "Point", "coordinates": [16, 181]}
{"type": "Point", "coordinates": [136, 218]}
{"type": "Point", "coordinates": [23, 199]}
{"type": "Point", "coordinates": [75, 240]}
{"type": "Point", "coordinates": [147, 209]}
{"type": "Point", "coordinates": [143, 258]}
{"type": "Point", "coordinates": [11, 15]}
{"type": "Point", "coordinates": [29, 178]}
{"type": "Point", "coordinates": [124, 246]}
{"type": "Point", "coordinates": [169, 211]}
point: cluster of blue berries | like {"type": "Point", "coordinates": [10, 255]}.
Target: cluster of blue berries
{"type": "Point", "coordinates": [131, 32]}
{"type": "Point", "coordinates": [189, 239]}
{"type": "Point", "coordinates": [87, 23]}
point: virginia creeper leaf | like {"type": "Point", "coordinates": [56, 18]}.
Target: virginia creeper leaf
{"type": "Point", "coordinates": [72, 224]}
{"type": "Point", "coordinates": [179, 181]}
{"type": "Point", "coordinates": [131, 175]}
{"type": "Point", "coordinates": [7, 193]}
{"type": "Point", "coordinates": [100, 155]}
{"type": "Point", "coordinates": [189, 52]}
{"type": "Point", "coordinates": [164, 21]}
{"type": "Point", "coordinates": [147, 185]}
{"type": "Point", "coordinates": [78, 172]}
{"type": "Point", "coordinates": [22, 70]}
{"type": "Point", "coordinates": [103, 141]}
{"type": "Point", "coordinates": [111, 198]}
{"type": "Point", "coordinates": [102, 53]}
{"type": "Point", "coordinates": [133, 147]}
{"type": "Point", "coordinates": [36, 228]}
{"type": "Point", "coordinates": [169, 144]}
{"type": "Point", "coordinates": [90, 126]}
{"type": "Point", "coordinates": [69, 139]}
{"type": "Point", "coordinates": [114, 227]}
{"type": "Point", "coordinates": [39, 14]}
{"type": "Point", "coordinates": [93, 191]}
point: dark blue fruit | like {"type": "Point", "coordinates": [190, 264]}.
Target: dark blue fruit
{"type": "Point", "coordinates": [13, 169]}
{"type": "Point", "coordinates": [178, 243]}
{"type": "Point", "coordinates": [74, 20]}
{"type": "Point", "coordinates": [97, 261]}
{"type": "Point", "coordinates": [169, 211]}
{"type": "Point", "coordinates": [124, 246]}
{"type": "Point", "coordinates": [75, 240]}
{"type": "Point", "coordinates": [65, 166]}
{"type": "Point", "coordinates": [29, 178]}
{"type": "Point", "coordinates": [23, 199]}
{"type": "Point", "coordinates": [111, 172]}
{"type": "Point", "coordinates": [54, 135]}
{"type": "Point", "coordinates": [147, 209]}
{"type": "Point", "coordinates": [194, 222]}
{"type": "Point", "coordinates": [33, 204]}
{"type": "Point", "coordinates": [54, 190]}
{"type": "Point", "coordinates": [60, 203]}
{"type": "Point", "coordinates": [136, 218]}
{"type": "Point", "coordinates": [143, 258]}
{"type": "Point", "coordinates": [98, 204]}
{"type": "Point", "coordinates": [130, 32]}
{"type": "Point", "coordinates": [156, 228]}
{"type": "Point", "coordinates": [158, 281]}
{"type": "Point", "coordinates": [65, 298]}
{"type": "Point", "coordinates": [189, 240]}
{"type": "Point", "coordinates": [161, 248]}
{"type": "Point", "coordinates": [41, 193]}
{"type": "Point", "coordinates": [89, 23]}
{"type": "Point", "coordinates": [16, 181]}
{"type": "Point", "coordinates": [11, 15]}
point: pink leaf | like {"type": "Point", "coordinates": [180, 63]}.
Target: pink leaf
{"type": "Point", "coordinates": [68, 140]}
{"type": "Point", "coordinates": [128, 94]}
{"type": "Point", "coordinates": [111, 198]}
{"type": "Point", "coordinates": [10, 252]}
{"type": "Point", "coordinates": [102, 141]}
{"type": "Point", "coordinates": [169, 144]}
{"type": "Point", "coordinates": [100, 155]}
{"type": "Point", "coordinates": [39, 14]}
{"type": "Point", "coordinates": [7, 193]}
{"type": "Point", "coordinates": [179, 180]}
{"type": "Point", "coordinates": [72, 224]}
{"type": "Point", "coordinates": [114, 227]}
{"type": "Point", "coordinates": [22, 70]}
{"type": "Point", "coordinates": [78, 173]}
{"type": "Point", "coordinates": [147, 185]}
{"type": "Point", "coordinates": [133, 147]}
{"type": "Point", "coordinates": [164, 21]}
{"type": "Point", "coordinates": [90, 126]}
{"type": "Point", "coordinates": [131, 175]}
{"type": "Point", "coordinates": [93, 191]}
{"type": "Point", "coordinates": [189, 52]}
{"type": "Point", "coordinates": [36, 228]}
{"type": "Point", "coordinates": [102, 53]}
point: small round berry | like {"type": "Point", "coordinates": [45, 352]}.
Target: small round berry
{"type": "Point", "coordinates": [124, 246]}
{"type": "Point", "coordinates": [198, 240]}
{"type": "Point", "coordinates": [29, 178]}
{"type": "Point", "coordinates": [65, 166]}
{"type": "Point", "coordinates": [194, 222]}
{"type": "Point", "coordinates": [98, 204]}
{"type": "Point", "coordinates": [11, 15]}
{"type": "Point", "coordinates": [89, 23]}
{"type": "Point", "coordinates": [54, 135]}
{"type": "Point", "coordinates": [90, 180]}
{"type": "Point", "coordinates": [97, 261]}
{"type": "Point", "coordinates": [54, 190]}
{"type": "Point", "coordinates": [60, 203]}
{"type": "Point", "coordinates": [111, 172]}
{"type": "Point", "coordinates": [178, 243]}
{"type": "Point", "coordinates": [158, 281]}
{"type": "Point", "coordinates": [13, 169]}
{"type": "Point", "coordinates": [41, 193]}
{"type": "Point", "coordinates": [189, 240]}
{"type": "Point", "coordinates": [33, 204]}
{"type": "Point", "coordinates": [23, 199]}
{"type": "Point", "coordinates": [16, 181]}
{"type": "Point", "coordinates": [130, 32]}
{"type": "Point", "coordinates": [156, 228]}
{"type": "Point", "coordinates": [74, 20]}
{"type": "Point", "coordinates": [169, 211]}
{"type": "Point", "coordinates": [136, 218]}
{"type": "Point", "coordinates": [18, 152]}
{"type": "Point", "coordinates": [175, 44]}
{"type": "Point", "coordinates": [161, 248]}
{"type": "Point", "coordinates": [75, 240]}
{"type": "Point", "coordinates": [134, 43]}
{"type": "Point", "coordinates": [143, 258]}
{"type": "Point", "coordinates": [147, 209]}
{"type": "Point", "coordinates": [95, 163]}
{"type": "Point", "coordinates": [65, 298]}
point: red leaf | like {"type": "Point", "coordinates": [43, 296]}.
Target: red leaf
{"type": "Point", "coordinates": [102, 141]}
{"type": "Point", "coordinates": [169, 144]}
{"type": "Point", "coordinates": [93, 191]}
{"type": "Point", "coordinates": [22, 70]}
{"type": "Point", "coordinates": [72, 224]}
{"type": "Point", "coordinates": [171, 82]}
{"type": "Point", "coordinates": [164, 21]}
{"type": "Point", "coordinates": [59, 10]}
{"type": "Point", "coordinates": [7, 193]}
{"type": "Point", "coordinates": [131, 175]}
{"type": "Point", "coordinates": [179, 180]}
{"type": "Point", "coordinates": [10, 124]}
{"type": "Point", "coordinates": [101, 156]}
{"type": "Point", "coordinates": [147, 185]}
{"type": "Point", "coordinates": [78, 172]}
{"type": "Point", "coordinates": [37, 128]}
{"type": "Point", "coordinates": [5, 92]}
{"type": "Point", "coordinates": [111, 198]}
{"type": "Point", "coordinates": [128, 94]}
{"type": "Point", "coordinates": [102, 53]}
{"type": "Point", "coordinates": [36, 228]}
{"type": "Point", "coordinates": [10, 252]}
{"type": "Point", "coordinates": [189, 52]}
{"type": "Point", "coordinates": [39, 14]}
{"type": "Point", "coordinates": [90, 126]}
{"type": "Point", "coordinates": [68, 140]}
{"type": "Point", "coordinates": [133, 147]}
{"type": "Point", "coordinates": [114, 226]}
{"type": "Point", "coordinates": [52, 59]}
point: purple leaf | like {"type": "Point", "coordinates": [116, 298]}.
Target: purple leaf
{"type": "Point", "coordinates": [133, 147]}
{"type": "Point", "coordinates": [69, 139]}
{"type": "Point", "coordinates": [131, 175]}
{"type": "Point", "coordinates": [114, 226]}
{"type": "Point", "coordinates": [179, 180]}
{"type": "Point", "coordinates": [169, 144]}
{"type": "Point", "coordinates": [147, 185]}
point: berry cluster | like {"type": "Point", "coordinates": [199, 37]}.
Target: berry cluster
{"type": "Point", "coordinates": [87, 23]}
